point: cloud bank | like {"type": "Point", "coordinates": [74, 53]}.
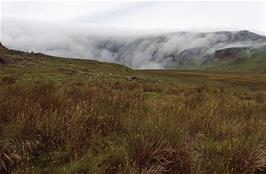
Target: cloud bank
{"type": "Point", "coordinates": [136, 49]}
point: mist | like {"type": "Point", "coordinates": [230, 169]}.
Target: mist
{"type": "Point", "coordinates": [138, 49]}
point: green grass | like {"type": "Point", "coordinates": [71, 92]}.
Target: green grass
{"type": "Point", "coordinates": [68, 116]}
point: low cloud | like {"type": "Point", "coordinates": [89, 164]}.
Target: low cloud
{"type": "Point", "coordinates": [136, 49]}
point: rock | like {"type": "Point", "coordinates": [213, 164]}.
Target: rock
{"type": "Point", "coordinates": [132, 78]}
{"type": "Point", "coordinates": [228, 53]}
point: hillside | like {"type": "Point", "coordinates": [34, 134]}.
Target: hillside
{"type": "Point", "coordinates": [238, 59]}
{"type": "Point", "coordinates": [71, 116]}
{"type": "Point", "coordinates": [36, 66]}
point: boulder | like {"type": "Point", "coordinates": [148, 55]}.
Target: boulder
{"type": "Point", "coordinates": [132, 78]}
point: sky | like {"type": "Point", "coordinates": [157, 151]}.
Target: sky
{"type": "Point", "coordinates": [97, 29]}
{"type": "Point", "coordinates": [141, 15]}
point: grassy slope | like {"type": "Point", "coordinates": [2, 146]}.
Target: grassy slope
{"type": "Point", "coordinates": [78, 116]}
{"type": "Point", "coordinates": [41, 67]}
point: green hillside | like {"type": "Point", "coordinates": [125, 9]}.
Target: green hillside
{"type": "Point", "coordinates": [31, 66]}
{"type": "Point", "coordinates": [254, 62]}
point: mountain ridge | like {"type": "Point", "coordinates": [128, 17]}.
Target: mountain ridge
{"type": "Point", "coordinates": [177, 50]}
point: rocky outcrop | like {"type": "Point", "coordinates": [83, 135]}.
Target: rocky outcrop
{"type": "Point", "coordinates": [228, 53]}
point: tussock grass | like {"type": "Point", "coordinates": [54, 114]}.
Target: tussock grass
{"type": "Point", "coordinates": [130, 127]}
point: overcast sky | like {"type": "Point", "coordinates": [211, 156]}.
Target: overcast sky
{"type": "Point", "coordinates": [173, 16]}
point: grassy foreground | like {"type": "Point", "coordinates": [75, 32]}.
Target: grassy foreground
{"type": "Point", "coordinates": [73, 116]}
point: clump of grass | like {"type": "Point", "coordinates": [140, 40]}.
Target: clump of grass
{"type": "Point", "coordinates": [159, 156]}
{"type": "Point", "coordinates": [233, 156]}
{"type": "Point", "coordinates": [8, 159]}
{"type": "Point", "coordinates": [158, 147]}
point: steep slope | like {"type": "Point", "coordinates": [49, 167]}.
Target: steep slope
{"type": "Point", "coordinates": [182, 50]}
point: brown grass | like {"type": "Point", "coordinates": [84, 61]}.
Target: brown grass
{"type": "Point", "coordinates": [130, 127]}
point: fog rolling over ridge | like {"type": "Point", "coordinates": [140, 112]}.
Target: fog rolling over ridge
{"type": "Point", "coordinates": [141, 35]}
{"type": "Point", "coordinates": [138, 51]}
